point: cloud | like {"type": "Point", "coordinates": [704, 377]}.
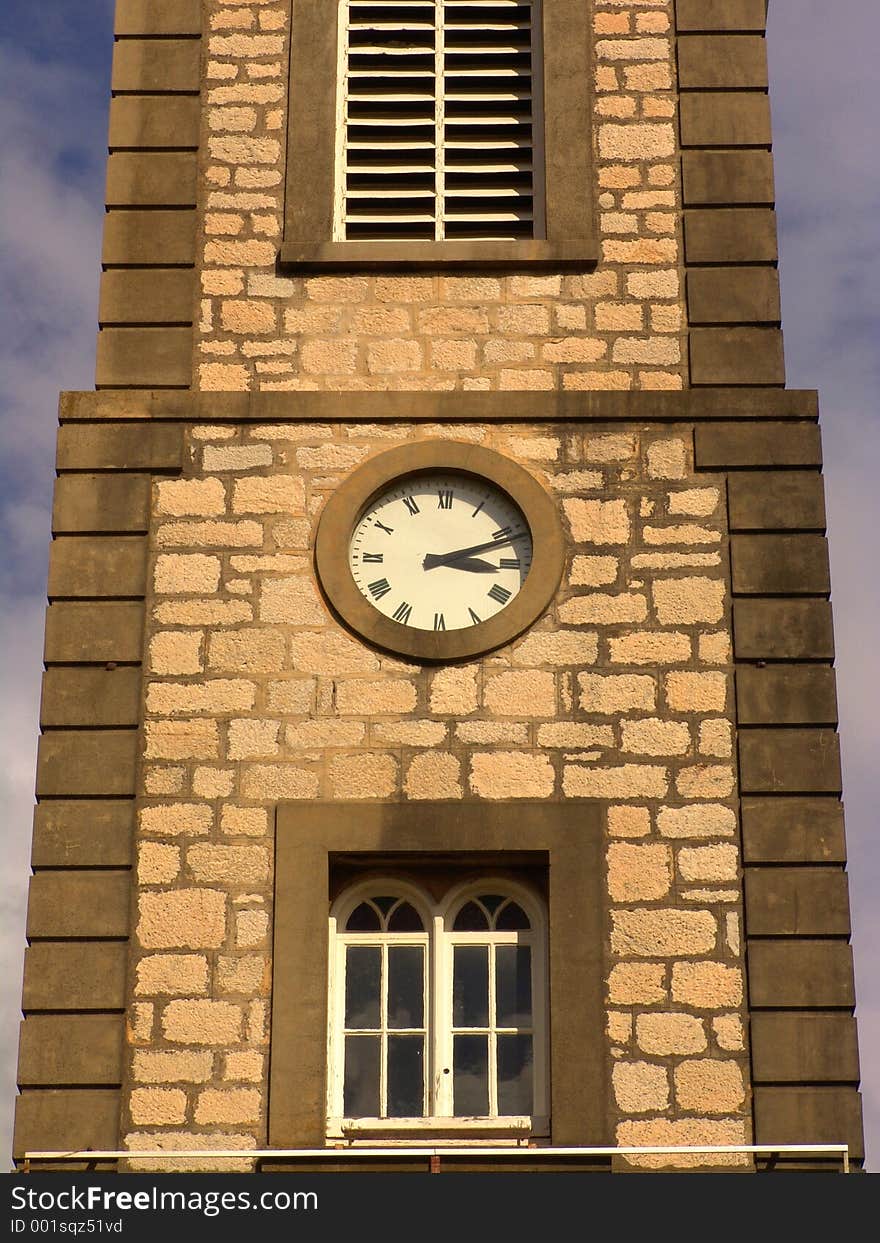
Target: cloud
{"type": "Point", "coordinates": [53, 136]}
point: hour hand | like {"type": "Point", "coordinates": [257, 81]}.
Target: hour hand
{"type": "Point", "coordinates": [476, 565]}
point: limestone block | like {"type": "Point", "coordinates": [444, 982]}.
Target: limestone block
{"type": "Point", "coordinates": [436, 774]}
{"type": "Point", "coordinates": [227, 864]}
{"type": "Point", "coordinates": [707, 985]}
{"type": "Point", "coordinates": [698, 820]}
{"type": "Point", "coordinates": [181, 974]}
{"type": "Point", "coordinates": [638, 873]}
{"type": "Point", "coordinates": [684, 601]}
{"type": "Point", "coordinates": [202, 1022]}
{"type": "Point", "coordinates": [597, 522]}
{"type": "Point", "coordinates": [511, 774]}
{"type": "Point", "coordinates": [640, 1087]}
{"type": "Point", "coordinates": [708, 1086]}
{"type": "Point", "coordinates": [662, 933]}
{"type": "Point", "coordinates": [185, 918]}
{"type": "Point", "coordinates": [664, 1034]}
{"type": "Point", "coordinates": [637, 984]}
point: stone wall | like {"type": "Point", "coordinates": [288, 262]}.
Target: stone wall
{"type": "Point", "coordinates": [620, 326]}
{"type": "Point", "coordinates": [622, 692]}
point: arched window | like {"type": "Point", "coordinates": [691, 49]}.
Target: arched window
{"type": "Point", "coordinates": [438, 1010]}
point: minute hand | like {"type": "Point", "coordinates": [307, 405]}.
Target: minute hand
{"type": "Point", "coordinates": [433, 559]}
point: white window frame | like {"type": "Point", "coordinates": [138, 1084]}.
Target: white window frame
{"type": "Point", "coordinates": [440, 939]}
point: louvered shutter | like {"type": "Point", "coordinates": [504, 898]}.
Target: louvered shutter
{"type": "Point", "coordinates": [438, 132]}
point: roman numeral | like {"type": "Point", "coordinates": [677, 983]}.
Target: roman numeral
{"type": "Point", "coordinates": [509, 563]}
{"type": "Point", "coordinates": [382, 527]}
{"type": "Point", "coordinates": [479, 507]}
{"type": "Point", "coordinates": [411, 505]}
{"type": "Point", "coordinates": [439, 621]}
{"type": "Point", "coordinates": [380, 588]}
{"type": "Point", "coordinates": [372, 556]}
{"type": "Point", "coordinates": [502, 532]}
{"type": "Point", "coordinates": [501, 594]}
{"type": "Point", "coordinates": [444, 499]}
{"type": "Point", "coordinates": [474, 617]}
{"type": "Point", "coordinates": [402, 612]}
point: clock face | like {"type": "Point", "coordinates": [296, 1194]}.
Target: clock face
{"type": "Point", "coordinates": [440, 550]}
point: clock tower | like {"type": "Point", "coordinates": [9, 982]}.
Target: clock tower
{"type": "Point", "coordinates": [438, 727]}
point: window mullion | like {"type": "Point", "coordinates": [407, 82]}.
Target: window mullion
{"type": "Point", "coordinates": [492, 1036]}
{"type": "Point", "coordinates": [383, 1034]}
{"type": "Point", "coordinates": [439, 122]}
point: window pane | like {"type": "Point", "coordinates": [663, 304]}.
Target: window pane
{"type": "Point", "coordinates": [406, 1076]}
{"type": "Point", "coordinates": [491, 901]}
{"type": "Point", "coordinates": [405, 986]}
{"type": "Point", "coordinates": [513, 986]}
{"type": "Point", "coordinates": [363, 973]}
{"type": "Point", "coordinates": [470, 986]}
{"type": "Point", "coordinates": [512, 919]}
{"type": "Point", "coordinates": [405, 918]}
{"type": "Point", "coordinates": [384, 904]}
{"type": "Point", "coordinates": [470, 1076]}
{"type": "Point", "coordinates": [361, 1091]}
{"type": "Point", "coordinates": [363, 919]}
{"type": "Point", "coordinates": [514, 1074]}
{"type": "Point", "coordinates": [471, 919]}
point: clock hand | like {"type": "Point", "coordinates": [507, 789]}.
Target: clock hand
{"type": "Point", "coordinates": [475, 564]}
{"type": "Point", "coordinates": [433, 559]}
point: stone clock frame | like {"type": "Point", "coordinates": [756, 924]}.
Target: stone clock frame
{"type": "Point", "coordinates": [346, 505]}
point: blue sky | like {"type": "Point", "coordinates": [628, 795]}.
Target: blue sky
{"type": "Point", "coordinates": [54, 93]}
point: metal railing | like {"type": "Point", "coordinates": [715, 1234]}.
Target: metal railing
{"type": "Point", "coordinates": [434, 1152]}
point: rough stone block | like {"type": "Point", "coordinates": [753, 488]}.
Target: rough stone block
{"type": "Point", "coordinates": [782, 629]}
{"type": "Point", "coordinates": [82, 833]}
{"type": "Point", "coordinates": [154, 121]}
{"type": "Point", "coordinates": [91, 697]}
{"type": "Point", "coordinates": [149, 237]}
{"type": "Point", "coordinates": [804, 1047]}
{"type": "Point", "coordinates": [734, 356]}
{"type": "Point", "coordinates": [97, 566]}
{"type": "Point", "coordinates": [800, 973]}
{"type": "Point", "coordinates": [151, 179]}
{"type": "Point", "coordinates": [70, 1049]}
{"type": "Point", "coordinates": [720, 446]}
{"type": "Point", "coordinates": [722, 62]}
{"type": "Point", "coordinates": [86, 762]}
{"type": "Point", "coordinates": [75, 975]}
{"type": "Point", "coordinates": [802, 901]}
{"type": "Point", "coordinates": [66, 1120]}
{"type": "Point", "coordinates": [723, 119]}
{"type": "Point", "coordinates": [159, 17]}
{"type": "Point", "coordinates": [119, 446]}
{"type": "Point", "coordinates": [779, 565]}
{"type": "Point", "coordinates": [786, 695]}
{"type": "Point", "coordinates": [730, 235]}
{"type": "Point", "coordinates": [809, 1115]}
{"type": "Point", "coordinates": [83, 632]}
{"type": "Point", "coordinates": [79, 904]}
{"type": "Point", "coordinates": [154, 65]}
{"type": "Point", "coordinates": [144, 358]}
{"type": "Point", "coordinates": [793, 830]}
{"type": "Point", "coordinates": [147, 296]}
{"type": "Point", "coordinates": [108, 503]}
{"type": "Point", "coordinates": [789, 761]}
{"type": "Point", "coordinates": [740, 295]}
{"type": "Point", "coordinates": [724, 178]}
{"type": "Point", "coordinates": [720, 15]}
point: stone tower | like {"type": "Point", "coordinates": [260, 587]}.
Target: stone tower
{"type": "Point", "coordinates": [439, 714]}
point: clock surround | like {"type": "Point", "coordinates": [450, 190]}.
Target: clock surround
{"type": "Point", "coordinates": [504, 480]}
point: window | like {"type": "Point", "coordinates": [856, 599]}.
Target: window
{"type": "Point", "coordinates": [437, 1010]}
{"type": "Point", "coordinates": [542, 847]}
{"type": "Point", "coordinates": [440, 132]}
{"type": "Point", "coordinates": [437, 121]}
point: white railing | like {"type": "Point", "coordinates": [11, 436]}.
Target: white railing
{"type": "Point", "coordinates": [437, 1152]}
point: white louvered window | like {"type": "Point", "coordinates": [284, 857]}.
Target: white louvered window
{"type": "Point", "coordinates": [439, 121]}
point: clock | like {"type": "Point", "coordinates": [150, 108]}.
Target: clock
{"type": "Point", "coordinates": [439, 550]}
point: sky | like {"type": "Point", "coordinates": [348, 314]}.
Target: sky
{"type": "Point", "coordinates": [54, 96]}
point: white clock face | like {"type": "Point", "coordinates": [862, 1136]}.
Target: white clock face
{"type": "Point", "coordinates": [440, 551]}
